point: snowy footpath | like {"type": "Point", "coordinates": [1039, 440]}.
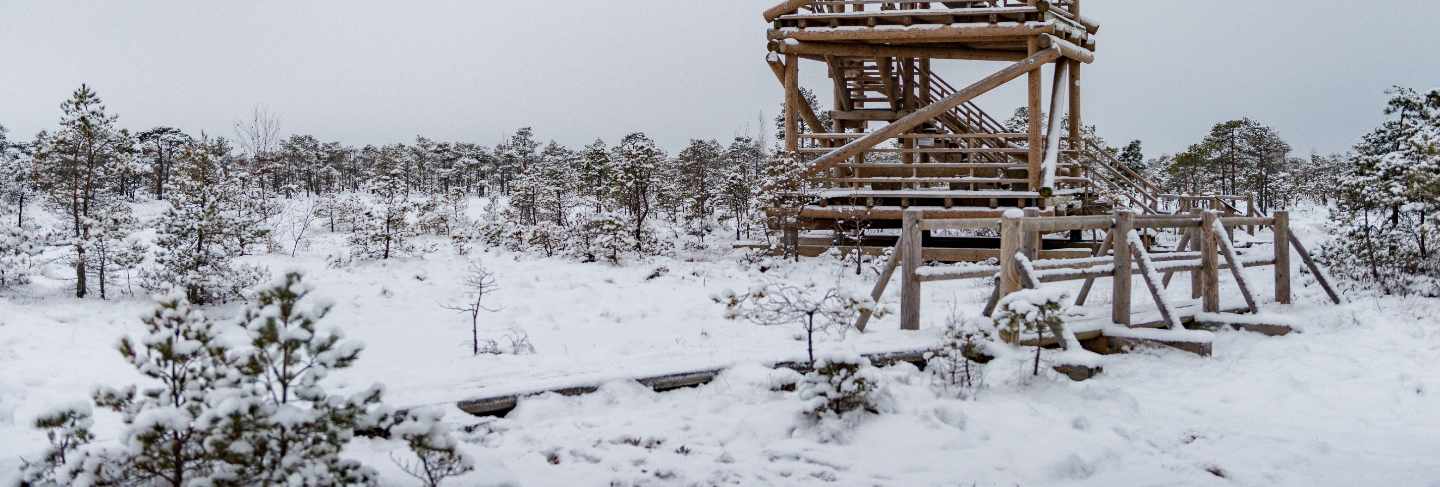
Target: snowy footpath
{"type": "Point", "coordinates": [1352, 400]}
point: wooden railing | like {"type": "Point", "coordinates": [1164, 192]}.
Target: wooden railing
{"type": "Point", "coordinates": [1205, 250]}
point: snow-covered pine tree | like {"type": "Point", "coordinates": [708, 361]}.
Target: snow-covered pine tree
{"type": "Point", "coordinates": [202, 232]}
{"type": "Point", "coordinates": [517, 156]}
{"type": "Point", "coordinates": [159, 148]}
{"type": "Point", "coordinates": [602, 235]}
{"type": "Point", "coordinates": [559, 183]}
{"type": "Point", "coordinates": [700, 170]}
{"type": "Point", "coordinates": [110, 250]}
{"type": "Point", "coordinates": [17, 184]}
{"type": "Point", "coordinates": [18, 248]}
{"type": "Point", "coordinates": [635, 169]}
{"type": "Point", "coordinates": [163, 441]}
{"type": "Point", "coordinates": [739, 176]}
{"type": "Point", "coordinates": [73, 167]}
{"type": "Point", "coordinates": [1384, 217]}
{"type": "Point", "coordinates": [437, 454]}
{"type": "Point", "coordinates": [593, 170]}
{"type": "Point", "coordinates": [280, 425]}
{"type": "Point", "coordinates": [384, 230]}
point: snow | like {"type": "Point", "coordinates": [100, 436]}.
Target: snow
{"type": "Point", "coordinates": [1351, 401]}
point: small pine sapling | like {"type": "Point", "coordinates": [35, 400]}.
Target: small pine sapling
{"type": "Point", "coordinates": [291, 428]}
{"type": "Point", "coordinates": [956, 363]}
{"type": "Point", "coordinates": [67, 428]}
{"type": "Point", "coordinates": [1032, 311]}
{"type": "Point", "coordinates": [437, 455]}
{"type": "Point", "coordinates": [813, 308]}
{"type": "Point", "coordinates": [839, 390]}
{"type": "Point", "coordinates": [479, 283]}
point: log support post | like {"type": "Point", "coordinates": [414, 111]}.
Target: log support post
{"type": "Point", "coordinates": [1031, 240]}
{"type": "Point", "coordinates": [912, 255]}
{"type": "Point", "coordinates": [1197, 244]}
{"type": "Point", "coordinates": [1120, 297]}
{"type": "Point", "coordinates": [792, 103]}
{"type": "Point", "coordinates": [1282, 257]}
{"type": "Point", "coordinates": [1210, 262]}
{"type": "Point", "coordinates": [1035, 142]}
{"type": "Point", "coordinates": [1010, 244]}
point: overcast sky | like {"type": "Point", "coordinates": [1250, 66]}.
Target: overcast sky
{"type": "Point", "coordinates": [383, 71]}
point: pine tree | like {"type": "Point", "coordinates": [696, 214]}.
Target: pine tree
{"type": "Point", "coordinates": [165, 438]}
{"type": "Point", "coordinates": [292, 429]}
{"type": "Point", "coordinates": [594, 173]}
{"type": "Point", "coordinates": [556, 183]}
{"type": "Point", "coordinates": [385, 228]}
{"type": "Point", "coordinates": [1384, 214]}
{"type": "Point", "coordinates": [18, 249]}
{"type": "Point", "coordinates": [160, 147]}
{"type": "Point", "coordinates": [75, 164]}
{"type": "Point", "coordinates": [203, 230]}
{"type": "Point", "coordinates": [743, 164]}
{"type": "Point", "coordinates": [635, 168]}
{"type": "Point", "coordinates": [699, 165]}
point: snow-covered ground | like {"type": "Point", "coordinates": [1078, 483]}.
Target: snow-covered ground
{"type": "Point", "coordinates": [1353, 400]}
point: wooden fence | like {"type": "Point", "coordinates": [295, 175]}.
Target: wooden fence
{"type": "Point", "coordinates": [1205, 249]}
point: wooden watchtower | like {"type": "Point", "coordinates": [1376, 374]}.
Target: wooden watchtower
{"type": "Point", "coordinates": [900, 136]}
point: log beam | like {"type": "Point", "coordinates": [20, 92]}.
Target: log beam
{"type": "Point", "coordinates": [923, 115]}
{"type": "Point", "coordinates": [873, 51]}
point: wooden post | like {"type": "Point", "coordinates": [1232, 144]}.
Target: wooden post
{"type": "Point", "coordinates": [911, 258]}
{"type": "Point", "coordinates": [792, 103]}
{"type": "Point", "coordinates": [1010, 244]}
{"type": "Point", "coordinates": [1029, 240]}
{"type": "Point", "coordinates": [1197, 279]}
{"type": "Point", "coordinates": [1210, 262]}
{"type": "Point", "coordinates": [1036, 86]}
{"type": "Point", "coordinates": [1051, 159]}
{"type": "Point", "coordinates": [1282, 257]}
{"type": "Point", "coordinates": [1120, 293]}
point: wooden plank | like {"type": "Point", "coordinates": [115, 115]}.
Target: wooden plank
{"type": "Point", "coordinates": [912, 258]}
{"type": "Point", "coordinates": [1090, 281]}
{"type": "Point", "coordinates": [1314, 269]}
{"type": "Point", "coordinates": [948, 33]}
{"type": "Point", "coordinates": [1120, 291]}
{"type": "Point", "coordinates": [879, 290]}
{"type": "Point", "coordinates": [502, 404]}
{"type": "Point", "coordinates": [1157, 291]}
{"type": "Point", "coordinates": [1184, 241]}
{"type": "Point", "coordinates": [784, 8]}
{"type": "Point", "coordinates": [1237, 269]}
{"type": "Point", "coordinates": [924, 115]}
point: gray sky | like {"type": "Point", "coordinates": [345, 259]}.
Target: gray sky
{"type": "Point", "coordinates": [384, 71]}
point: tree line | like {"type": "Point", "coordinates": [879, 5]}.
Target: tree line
{"type": "Point", "coordinates": [597, 202]}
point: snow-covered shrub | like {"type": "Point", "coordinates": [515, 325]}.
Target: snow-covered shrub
{"type": "Point", "coordinates": [67, 428]}
{"type": "Point", "coordinates": [1383, 220]}
{"type": "Point", "coordinates": [810, 306]}
{"type": "Point", "coordinates": [279, 424]}
{"type": "Point", "coordinates": [208, 224]}
{"type": "Point", "coordinates": [840, 387]}
{"type": "Point", "coordinates": [216, 415]}
{"type": "Point", "coordinates": [432, 443]}
{"type": "Point", "coordinates": [602, 235]}
{"type": "Point", "coordinates": [18, 248]}
{"type": "Point", "coordinates": [956, 365]}
{"type": "Point", "coordinates": [1032, 311]}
